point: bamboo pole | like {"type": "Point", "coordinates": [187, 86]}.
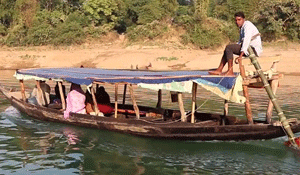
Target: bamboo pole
{"type": "Point", "coordinates": [124, 94]}
{"type": "Point", "coordinates": [94, 100]}
{"type": "Point", "coordinates": [23, 90]}
{"type": "Point", "coordinates": [158, 105]}
{"type": "Point", "coordinates": [181, 108]}
{"type": "Point", "coordinates": [245, 92]}
{"type": "Point", "coordinates": [272, 97]}
{"type": "Point", "coordinates": [116, 100]}
{"type": "Point", "coordinates": [62, 96]}
{"type": "Point", "coordinates": [136, 109]}
{"type": "Point", "coordinates": [194, 94]}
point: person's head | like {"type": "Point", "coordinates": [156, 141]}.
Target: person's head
{"type": "Point", "coordinates": [75, 87]}
{"type": "Point", "coordinates": [239, 19]}
{"type": "Point", "coordinates": [101, 88]}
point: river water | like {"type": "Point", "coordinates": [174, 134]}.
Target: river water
{"type": "Point", "coordinates": [31, 146]}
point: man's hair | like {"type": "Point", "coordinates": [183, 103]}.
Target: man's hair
{"type": "Point", "coordinates": [239, 14]}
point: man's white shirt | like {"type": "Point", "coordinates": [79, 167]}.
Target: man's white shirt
{"type": "Point", "coordinates": [247, 31]}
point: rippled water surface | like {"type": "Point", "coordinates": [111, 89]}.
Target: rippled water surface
{"type": "Point", "coordinates": [38, 147]}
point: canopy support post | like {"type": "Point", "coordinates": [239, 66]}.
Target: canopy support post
{"type": "Point", "coordinates": [94, 100]}
{"type": "Point", "coordinates": [181, 107]}
{"type": "Point", "coordinates": [38, 85]}
{"type": "Point", "coordinates": [116, 100]}
{"type": "Point", "coordinates": [136, 108]}
{"type": "Point", "coordinates": [194, 94]}
{"type": "Point", "coordinates": [124, 94]}
{"type": "Point", "coordinates": [158, 105]}
{"type": "Point", "coordinates": [274, 86]}
{"type": "Point", "coordinates": [23, 90]}
{"type": "Point", "coordinates": [226, 110]}
{"type": "Point", "coordinates": [246, 93]}
{"type": "Point", "coordinates": [62, 97]}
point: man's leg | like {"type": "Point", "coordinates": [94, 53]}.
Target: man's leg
{"type": "Point", "coordinates": [227, 57]}
{"type": "Point", "coordinates": [230, 50]}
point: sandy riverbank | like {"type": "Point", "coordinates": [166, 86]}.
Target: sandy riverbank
{"type": "Point", "coordinates": [117, 56]}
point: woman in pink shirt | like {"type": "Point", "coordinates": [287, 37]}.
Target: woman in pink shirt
{"type": "Point", "coordinates": [75, 101]}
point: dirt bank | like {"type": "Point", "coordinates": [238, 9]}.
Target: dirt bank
{"type": "Point", "coordinates": [116, 56]}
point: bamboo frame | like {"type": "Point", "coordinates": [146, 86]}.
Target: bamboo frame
{"type": "Point", "coordinates": [181, 107]}
{"type": "Point", "coordinates": [23, 90]}
{"type": "Point", "coordinates": [116, 100]}
{"type": "Point", "coordinates": [62, 96]}
{"type": "Point", "coordinates": [194, 94]}
{"type": "Point", "coordinates": [136, 108]}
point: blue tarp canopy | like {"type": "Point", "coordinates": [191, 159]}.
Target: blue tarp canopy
{"type": "Point", "coordinates": [88, 75]}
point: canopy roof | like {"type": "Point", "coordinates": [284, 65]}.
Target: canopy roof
{"type": "Point", "coordinates": [180, 81]}
{"type": "Point", "coordinates": [88, 75]}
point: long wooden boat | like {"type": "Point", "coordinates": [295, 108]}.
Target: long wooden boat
{"type": "Point", "coordinates": [197, 126]}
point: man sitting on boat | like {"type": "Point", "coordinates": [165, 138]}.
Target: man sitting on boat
{"type": "Point", "coordinates": [75, 101]}
{"type": "Point", "coordinates": [249, 36]}
{"type": "Point", "coordinates": [42, 96]}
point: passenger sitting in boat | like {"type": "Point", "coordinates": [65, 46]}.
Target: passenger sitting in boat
{"type": "Point", "coordinates": [41, 97]}
{"type": "Point", "coordinates": [57, 93]}
{"type": "Point", "coordinates": [89, 102]}
{"type": "Point", "coordinates": [75, 101]}
{"type": "Point", "coordinates": [103, 101]}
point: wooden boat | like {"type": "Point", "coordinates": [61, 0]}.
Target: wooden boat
{"type": "Point", "coordinates": [196, 126]}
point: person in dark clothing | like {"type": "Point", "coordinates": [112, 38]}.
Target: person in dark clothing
{"type": "Point", "coordinates": [103, 101]}
{"type": "Point", "coordinates": [57, 93]}
{"type": "Point", "coordinates": [102, 96]}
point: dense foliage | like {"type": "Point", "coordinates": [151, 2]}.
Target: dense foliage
{"type": "Point", "coordinates": [205, 23]}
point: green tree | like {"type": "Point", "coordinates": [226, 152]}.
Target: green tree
{"type": "Point", "coordinates": [102, 11]}
{"type": "Point", "coordinates": [26, 11]}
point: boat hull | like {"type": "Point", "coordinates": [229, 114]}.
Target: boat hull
{"type": "Point", "coordinates": [161, 130]}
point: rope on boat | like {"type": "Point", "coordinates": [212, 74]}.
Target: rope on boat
{"type": "Point", "coordinates": [207, 99]}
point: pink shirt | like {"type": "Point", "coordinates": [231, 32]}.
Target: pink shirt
{"type": "Point", "coordinates": [75, 103]}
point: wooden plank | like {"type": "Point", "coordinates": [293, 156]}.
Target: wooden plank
{"type": "Point", "coordinates": [62, 96]}
{"type": "Point", "coordinates": [274, 86]}
{"type": "Point", "coordinates": [246, 93]}
{"type": "Point", "coordinates": [194, 94]}
{"type": "Point", "coordinates": [136, 109]}
{"type": "Point", "coordinates": [116, 100]}
{"type": "Point", "coordinates": [181, 107]}
{"type": "Point", "coordinates": [23, 90]}
{"type": "Point", "coordinates": [158, 105]}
